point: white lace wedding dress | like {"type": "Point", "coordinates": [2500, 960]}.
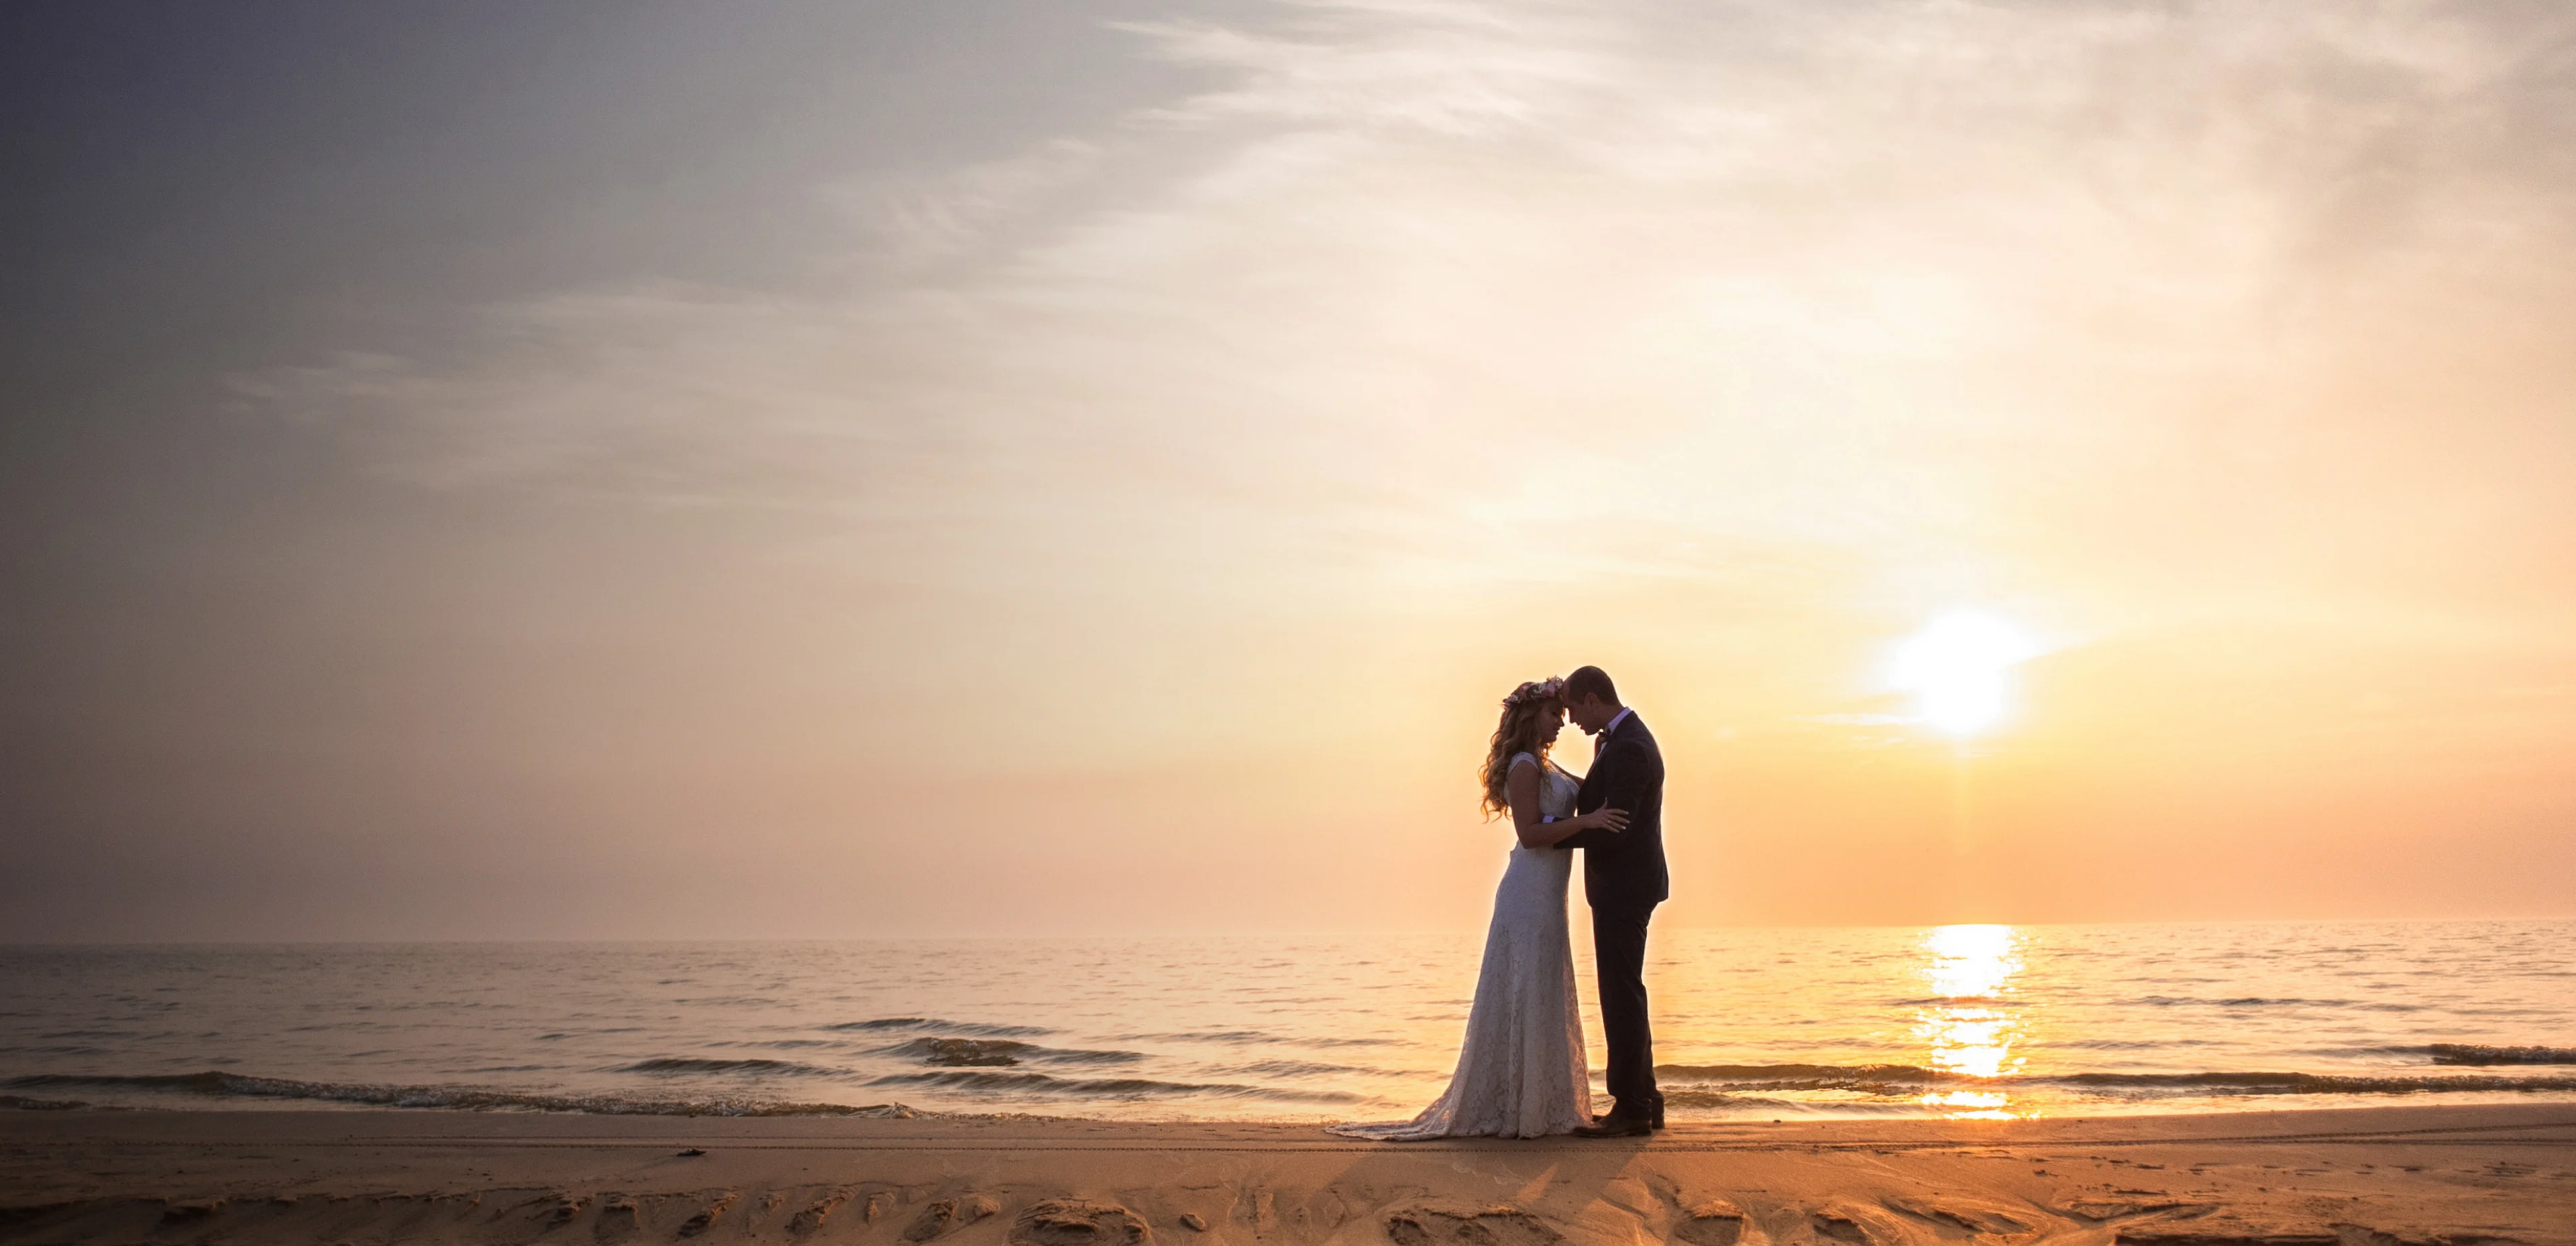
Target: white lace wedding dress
{"type": "Point", "coordinates": [1521, 1072]}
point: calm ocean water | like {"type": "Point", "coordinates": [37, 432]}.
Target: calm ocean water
{"type": "Point", "coordinates": [1955, 1020]}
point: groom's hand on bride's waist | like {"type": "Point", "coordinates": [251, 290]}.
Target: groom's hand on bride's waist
{"type": "Point", "coordinates": [1612, 820]}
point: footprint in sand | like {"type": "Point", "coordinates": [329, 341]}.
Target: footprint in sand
{"type": "Point", "coordinates": [1844, 1223]}
{"type": "Point", "coordinates": [1717, 1222]}
{"type": "Point", "coordinates": [1982, 1216]}
{"type": "Point", "coordinates": [619, 1217]}
{"type": "Point", "coordinates": [1487, 1226]}
{"type": "Point", "coordinates": [945, 1215]}
{"type": "Point", "coordinates": [813, 1216]}
{"type": "Point", "coordinates": [1079, 1222]}
{"type": "Point", "coordinates": [707, 1218]}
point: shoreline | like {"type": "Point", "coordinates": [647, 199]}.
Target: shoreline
{"type": "Point", "coordinates": [2377, 1176]}
{"type": "Point", "coordinates": [476, 1101]}
{"type": "Point", "coordinates": [219, 1090]}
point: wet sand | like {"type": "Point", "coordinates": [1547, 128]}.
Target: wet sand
{"type": "Point", "coordinates": [2363, 1177]}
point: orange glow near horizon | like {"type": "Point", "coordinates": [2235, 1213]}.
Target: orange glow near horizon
{"type": "Point", "coordinates": [1104, 483]}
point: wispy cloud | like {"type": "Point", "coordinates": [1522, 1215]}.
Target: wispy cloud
{"type": "Point", "coordinates": [1453, 70]}
{"type": "Point", "coordinates": [1482, 290]}
{"type": "Point", "coordinates": [1373, 356]}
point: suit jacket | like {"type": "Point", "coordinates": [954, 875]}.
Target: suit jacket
{"type": "Point", "coordinates": [1624, 868]}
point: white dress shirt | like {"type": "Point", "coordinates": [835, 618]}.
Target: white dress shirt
{"type": "Point", "coordinates": [1603, 739]}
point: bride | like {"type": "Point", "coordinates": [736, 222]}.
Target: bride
{"type": "Point", "coordinates": [1521, 1071]}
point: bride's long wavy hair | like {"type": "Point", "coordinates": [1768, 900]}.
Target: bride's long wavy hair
{"type": "Point", "coordinates": [1523, 712]}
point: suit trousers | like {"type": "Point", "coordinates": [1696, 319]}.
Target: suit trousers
{"type": "Point", "coordinates": [1619, 952]}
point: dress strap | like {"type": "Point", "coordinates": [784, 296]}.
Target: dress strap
{"type": "Point", "coordinates": [1531, 758]}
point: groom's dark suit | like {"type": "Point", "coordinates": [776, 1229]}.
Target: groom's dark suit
{"type": "Point", "coordinates": [1624, 879]}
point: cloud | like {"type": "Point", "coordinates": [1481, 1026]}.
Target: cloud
{"type": "Point", "coordinates": [1168, 498]}
{"type": "Point", "coordinates": [1452, 70]}
{"type": "Point", "coordinates": [915, 217]}
{"type": "Point", "coordinates": [1418, 289]}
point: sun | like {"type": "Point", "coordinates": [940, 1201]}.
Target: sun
{"type": "Point", "coordinates": [1956, 667]}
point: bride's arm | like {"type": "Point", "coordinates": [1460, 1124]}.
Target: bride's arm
{"type": "Point", "coordinates": [1521, 787]}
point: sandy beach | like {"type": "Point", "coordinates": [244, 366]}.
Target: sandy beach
{"type": "Point", "coordinates": [2363, 1177]}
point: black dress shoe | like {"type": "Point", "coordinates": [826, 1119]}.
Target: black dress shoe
{"type": "Point", "coordinates": [1654, 1115]}
{"type": "Point", "coordinates": [1616, 1126]}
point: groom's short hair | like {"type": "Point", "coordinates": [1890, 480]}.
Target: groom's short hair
{"type": "Point", "coordinates": [1590, 681]}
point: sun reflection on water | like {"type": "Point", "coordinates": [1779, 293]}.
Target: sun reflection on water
{"type": "Point", "coordinates": [1968, 1023]}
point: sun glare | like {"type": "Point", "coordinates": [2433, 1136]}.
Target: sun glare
{"type": "Point", "coordinates": [1970, 1022]}
{"type": "Point", "coordinates": [1956, 668]}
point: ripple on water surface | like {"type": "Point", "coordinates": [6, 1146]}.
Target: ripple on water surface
{"type": "Point", "coordinates": [1972, 1020]}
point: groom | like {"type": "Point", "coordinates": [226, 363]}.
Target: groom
{"type": "Point", "coordinates": [1624, 879]}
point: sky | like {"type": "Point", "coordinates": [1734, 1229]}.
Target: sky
{"type": "Point", "coordinates": [503, 470]}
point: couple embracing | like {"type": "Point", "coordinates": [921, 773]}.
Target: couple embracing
{"type": "Point", "coordinates": [1521, 1072]}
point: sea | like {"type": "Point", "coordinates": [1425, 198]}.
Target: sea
{"type": "Point", "coordinates": [1946, 1021]}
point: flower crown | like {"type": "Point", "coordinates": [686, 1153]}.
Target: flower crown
{"type": "Point", "coordinates": [1549, 689]}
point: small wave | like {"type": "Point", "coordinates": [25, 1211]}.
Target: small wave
{"type": "Point", "coordinates": [1203, 1036]}
{"type": "Point", "coordinates": [2132, 1044]}
{"type": "Point", "coordinates": [1000, 1053]}
{"type": "Point", "coordinates": [1806, 1076]}
{"type": "Point", "coordinates": [1060, 1055]}
{"type": "Point", "coordinates": [953, 1027]}
{"type": "Point", "coordinates": [1294, 1068]}
{"type": "Point", "coordinates": [1256, 1036]}
{"type": "Point", "coordinates": [2258, 1001]}
{"type": "Point", "coordinates": [1702, 1099]}
{"type": "Point", "coordinates": [1959, 1001]}
{"type": "Point", "coordinates": [461, 1098]}
{"type": "Point", "coordinates": [1902, 1079]}
{"type": "Point", "coordinates": [2479, 1053]}
{"type": "Point", "coordinates": [22, 1103]}
{"type": "Point", "coordinates": [684, 1064]}
{"type": "Point", "coordinates": [2313, 1083]}
{"type": "Point", "coordinates": [1104, 1088]}
{"type": "Point", "coordinates": [963, 1052]}
{"type": "Point", "coordinates": [1715, 1099]}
